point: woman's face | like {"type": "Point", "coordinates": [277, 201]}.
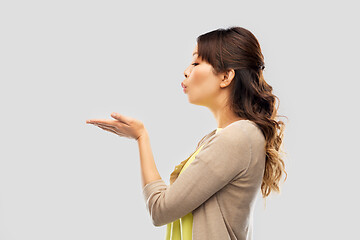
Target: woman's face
{"type": "Point", "coordinates": [201, 84]}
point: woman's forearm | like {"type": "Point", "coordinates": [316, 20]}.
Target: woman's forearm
{"type": "Point", "coordinates": [149, 172]}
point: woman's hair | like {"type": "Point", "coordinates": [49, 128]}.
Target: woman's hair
{"type": "Point", "coordinates": [251, 97]}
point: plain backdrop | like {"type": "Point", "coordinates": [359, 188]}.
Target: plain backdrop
{"type": "Point", "coordinates": [63, 62]}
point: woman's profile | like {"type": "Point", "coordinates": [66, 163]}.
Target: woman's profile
{"type": "Point", "coordinates": [212, 193]}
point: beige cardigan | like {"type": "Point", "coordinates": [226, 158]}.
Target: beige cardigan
{"type": "Point", "coordinates": [219, 187]}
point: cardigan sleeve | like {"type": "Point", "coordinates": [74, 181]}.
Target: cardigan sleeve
{"type": "Point", "coordinates": [225, 156]}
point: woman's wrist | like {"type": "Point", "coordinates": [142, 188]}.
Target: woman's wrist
{"type": "Point", "coordinates": [143, 134]}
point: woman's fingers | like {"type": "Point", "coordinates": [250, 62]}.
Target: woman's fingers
{"type": "Point", "coordinates": [107, 129]}
{"type": "Point", "coordinates": [105, 126]}
{"type": "Point", "coordinates": [97, 121]}
{"type": "Point", "coordinates": [104, 122]}
{"type": "Point", "coordinates": [109, 125]}
{"type": "Point", "coordinates": [110, 129]}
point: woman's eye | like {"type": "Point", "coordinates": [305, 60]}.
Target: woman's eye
{"type": "Point", "coordinates": [195, 64]}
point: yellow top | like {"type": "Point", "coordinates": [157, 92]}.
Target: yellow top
{"type": "Point", "coordinates": [181, 229]}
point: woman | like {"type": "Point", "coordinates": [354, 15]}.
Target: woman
{"type": "Point", "coordinates": [212, 193]}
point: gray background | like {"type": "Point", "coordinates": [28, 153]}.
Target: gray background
{"type": "Point", "coordinates": [63, 62]}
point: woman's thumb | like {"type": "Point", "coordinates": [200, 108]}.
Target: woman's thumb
{"type": "Point", "coordinates": [120, 117]}
{"type": "Point", "coordinates": [115, 115]}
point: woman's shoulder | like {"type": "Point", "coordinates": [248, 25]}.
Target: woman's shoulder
{"type": "Point", "coordinates": [243, 129]}
{"type": "Point", "coordinates": [240, 129]}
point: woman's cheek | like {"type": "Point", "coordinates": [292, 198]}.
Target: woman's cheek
{"type": "Point", "coordinates": [198, 77]}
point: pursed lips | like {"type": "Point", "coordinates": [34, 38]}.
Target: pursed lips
{"type": "Point", "coordinates": [183, 85]}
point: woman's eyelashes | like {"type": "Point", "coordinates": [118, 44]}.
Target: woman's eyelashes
{"type": "Point", "coordinates": [195, 64]}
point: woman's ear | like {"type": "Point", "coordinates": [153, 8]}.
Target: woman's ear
{"type": "Point", "coordinates": [228, 76]}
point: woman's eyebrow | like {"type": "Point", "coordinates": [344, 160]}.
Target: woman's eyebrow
{"type": "Point", "coordinates": [194, 53]}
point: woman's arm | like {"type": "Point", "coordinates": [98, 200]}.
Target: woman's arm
{"type": "Point", "coordinates": [225, 157]}
{"type": "Point", "coordinates": [149, 172]}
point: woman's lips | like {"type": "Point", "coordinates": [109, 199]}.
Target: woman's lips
{"type": "Point", "coordinates": [183, 86]}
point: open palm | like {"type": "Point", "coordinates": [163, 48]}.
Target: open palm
{"type": "Point", "coordinates": [122, 125]}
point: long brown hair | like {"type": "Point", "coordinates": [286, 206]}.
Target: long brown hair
{"type": "Point", "coordinates": [251, 97]}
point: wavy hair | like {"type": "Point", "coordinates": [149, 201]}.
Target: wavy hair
{"type": "Point", "coordinates": [250, 97]}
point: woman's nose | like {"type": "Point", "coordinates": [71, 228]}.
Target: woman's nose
{"type": "Point", "coordinates": [185, 73]}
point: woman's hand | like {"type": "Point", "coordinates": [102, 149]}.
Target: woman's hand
{"type": "Point", "coordinates": [122, 125]}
